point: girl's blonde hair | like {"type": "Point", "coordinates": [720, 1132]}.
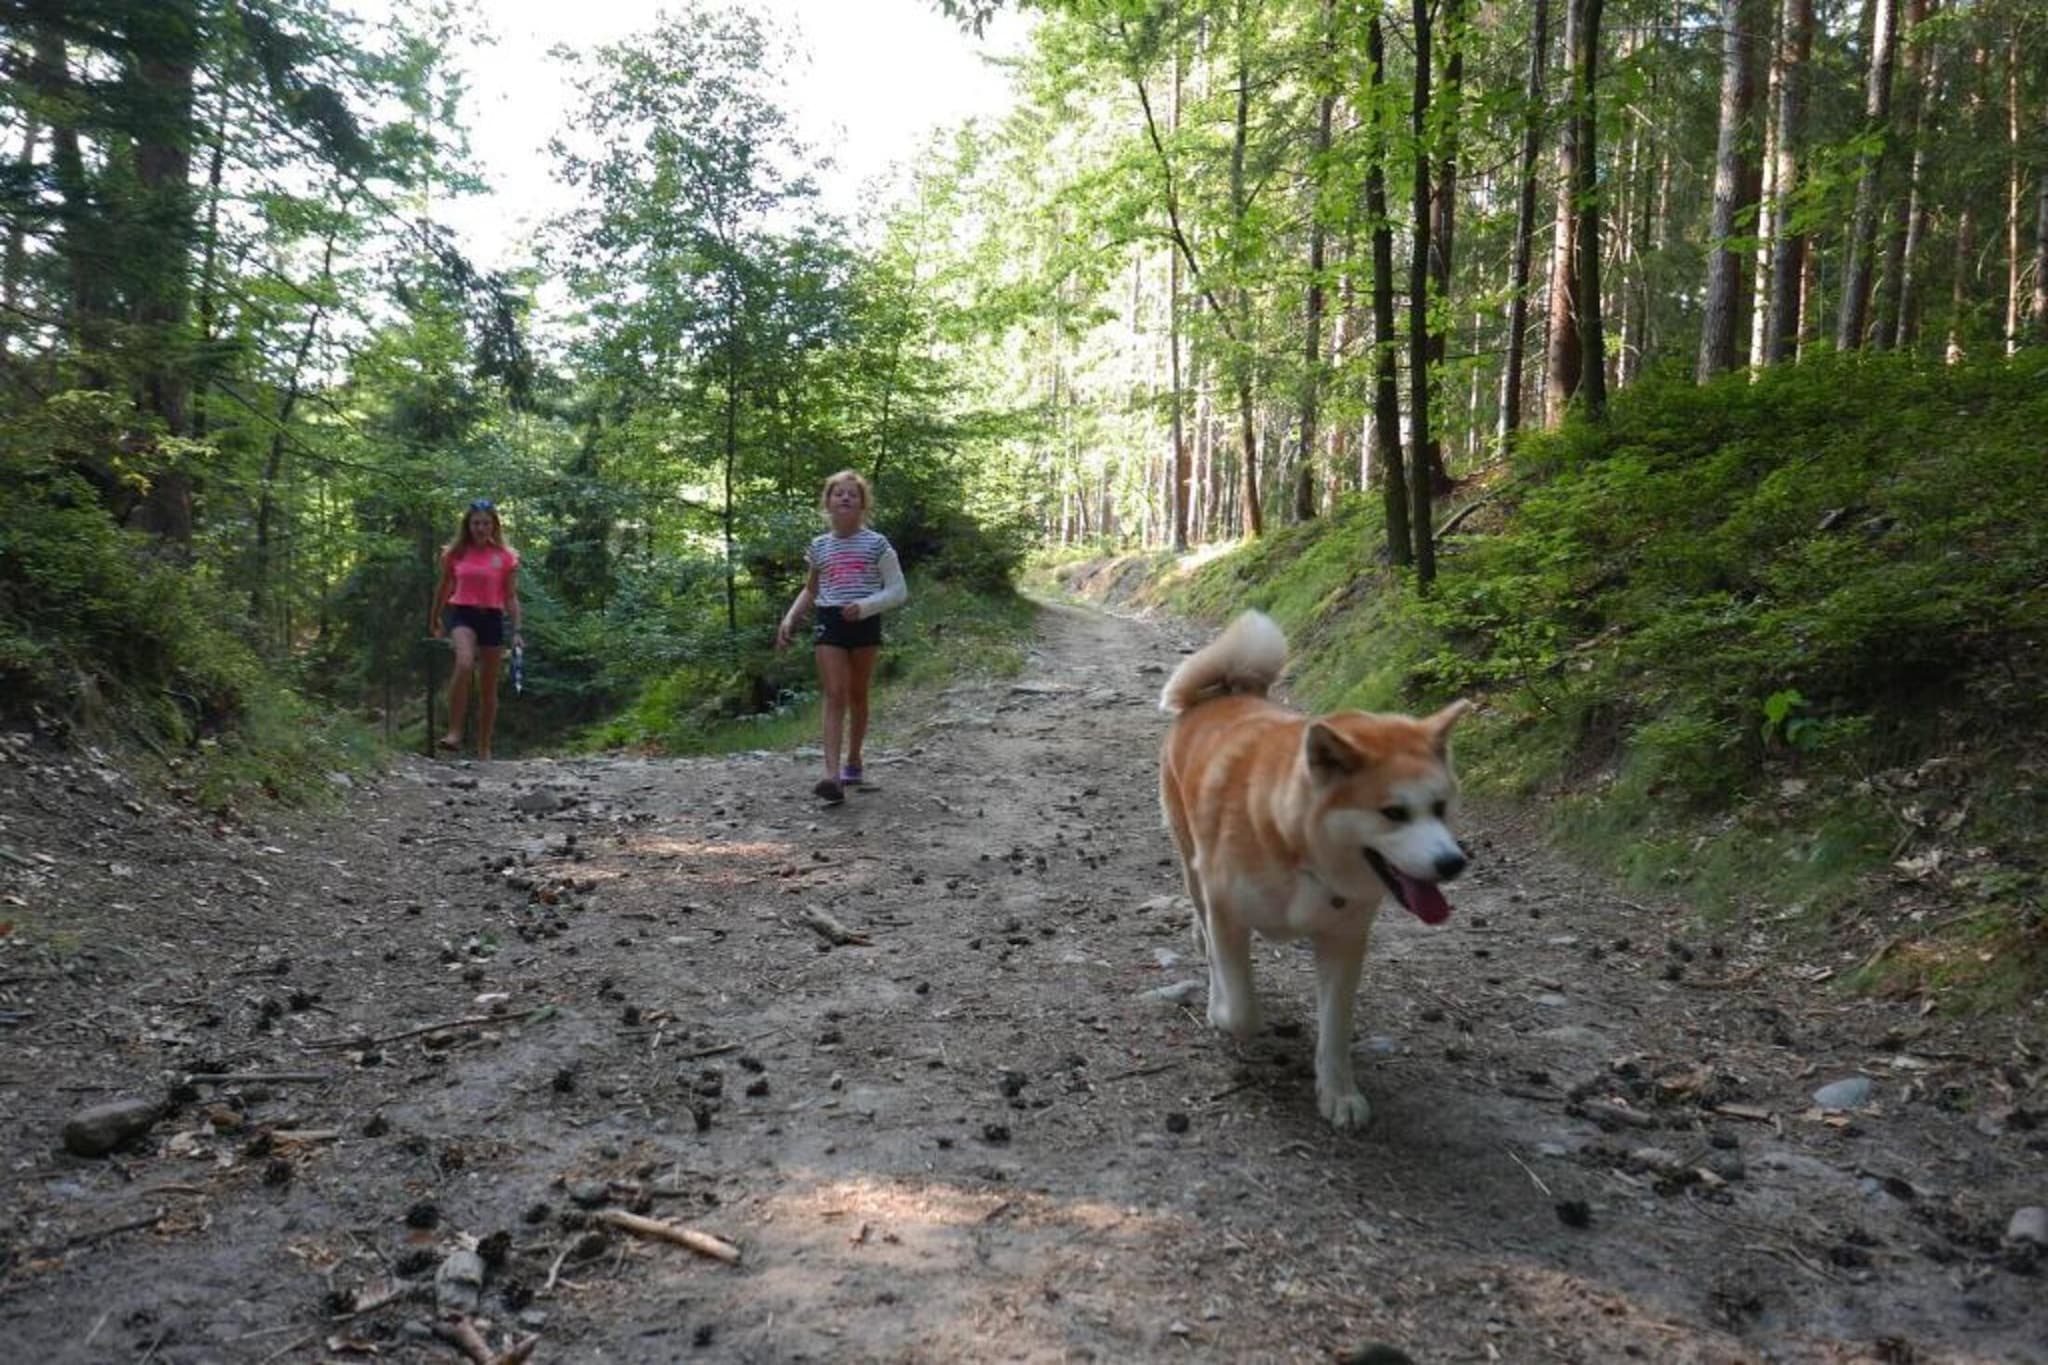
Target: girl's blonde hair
{"type": "Point", "coordinates": [852, 476]}
{"type": "Point", "coordinates": [464, 541]}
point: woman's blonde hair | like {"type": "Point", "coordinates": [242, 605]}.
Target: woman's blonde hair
{"type": "Point", "coordinates": [852, 476]}
{"type": "Point", "coordinates": [464, 541]}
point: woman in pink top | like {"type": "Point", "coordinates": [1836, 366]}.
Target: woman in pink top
{"type": "Point", "coordinates": [476, 599]}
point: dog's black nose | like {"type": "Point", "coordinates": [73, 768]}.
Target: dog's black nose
{"type": "Point", "coordinates": [1449, 865]}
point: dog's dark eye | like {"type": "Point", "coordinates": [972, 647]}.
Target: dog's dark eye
{"type": "Point", "coordinates": [1397, 814]}
{"type": "Point", "coordinates": [1439, 808]}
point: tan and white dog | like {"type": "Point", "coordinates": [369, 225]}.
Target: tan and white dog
{"type": "Point", "coordinates": [1299, 827]}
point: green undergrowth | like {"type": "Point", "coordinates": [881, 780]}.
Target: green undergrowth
{"type": "Point", "coordinates": [947, 631]}
{"type": "Point", "coordinates": [1775, 646]}
{"type": "Point", "coordinates": [106, 638]}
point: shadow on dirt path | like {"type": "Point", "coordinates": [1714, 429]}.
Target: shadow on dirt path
{"type": "Point", "coordinates": [998, 1129]}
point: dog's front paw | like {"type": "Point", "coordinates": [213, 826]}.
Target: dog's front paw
{"type": "Point", "coordinates": [1346, 1108]}
{"type": "Point", "coordinates": [1239, 1019]}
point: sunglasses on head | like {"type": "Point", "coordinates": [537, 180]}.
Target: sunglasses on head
{"type": "Point", "coordinates": [483, 505]}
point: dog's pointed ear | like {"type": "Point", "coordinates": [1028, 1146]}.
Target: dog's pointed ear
{"type": "Point", "coordinates": [1329, 755]}
{"type": "Point", "coordinates": [1439, 725]}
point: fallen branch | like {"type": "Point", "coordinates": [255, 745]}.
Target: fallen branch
{"type": "Point", "coordinates": [1600, 1111]}
{"type": "Point", "coordinates": [703, 1243]}
{"type": "Point", "coordinates": [101, 1234]}
{"type": "Point", "coordinates": [1457, 518]}
{"type": "Point", "coordinates": [1535, 1178]}
{"type": "Point", "coordinates": [1136, 1072]}
{"type": "Point", "coordinates": [464, 1338]}
{"type": "Point", "coordinates": [555, 1270]}
{"type": "Point", "coordinates": [467, 1021]}
{"type": "Point", "coordinates": [257, 1077]}
{"type": "Point", "coordinates": [1748, 1112]}
{"type": "Point", "coordinates": [831, 930]}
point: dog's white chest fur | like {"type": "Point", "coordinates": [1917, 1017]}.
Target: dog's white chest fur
{"type": "Point", "coordinates": [1300, 906]}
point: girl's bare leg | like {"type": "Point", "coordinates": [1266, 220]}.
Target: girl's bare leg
{"type": "Point", "coordinates": [834, 670]}
{"type": "Point", "coordinates": [860, 672]}
{"type": "Point", "coordinates": [464, 639]}
{"type": "Point", "coordinates": [487, 701]}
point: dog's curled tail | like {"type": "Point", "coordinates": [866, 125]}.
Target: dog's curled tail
{"type": "Point", "coordinates": [1246, 657]}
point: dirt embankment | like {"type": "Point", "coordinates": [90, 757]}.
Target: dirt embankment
{"type": "Point", "coordinates": [486, 1008]}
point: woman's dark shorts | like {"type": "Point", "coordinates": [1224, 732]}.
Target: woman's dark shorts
{"type": "Point", "coordinates": [835, 630]}
{"type": "Point", "coordinates": [487, 622]}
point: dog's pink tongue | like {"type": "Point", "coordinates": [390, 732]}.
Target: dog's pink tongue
{"type": "Point", "coordinates": [1425, 899]}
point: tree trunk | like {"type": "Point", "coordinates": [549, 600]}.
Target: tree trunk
{"type": "Point", "coordinates": [1240, 209]}
{"type": "Point", "coordinates": [1965, 273]}
{"type": "Point", "coordinates": [273, 468]}
{"type": "Point", "coordinates": [1732, 181]}
{"type": "Point", "coordinates": [1891, 287]}
{"type": "Point", "coordinates": [1418, 313]}
{"type": "Point", "coordinates": [1767, 196]}
{"type": "Point", "coordinates": [1563, 353]}
{"type": "Point", "coordinates": [1443, 231]}
{"type": "Point", "coordinates": [1906, 333]}
{"type": "Point", "coordinates": [2040, 314]}
{"type": "Point", "coordinates": [161, 86]}
{"type": "Point", "coordinates": [1877, 107]}
{"type": "Point", "coordinates": [1592, 340]}
{"type": "Point", "coordinates": [17, 236]}
{"type": "Point", "coordinates": [1182, 483]}
{"type": "Point", "coordinates": [1386, 411]}
{"type": "Point", "coordinates": [209, 259]}
{"type": "Point", "coordinates": [1788, 252]}
{"type": "Point", "coordinates": [1525, 225]}
{"type": "Point", "coordinates": [2015, 187]}
{"type": "Point", "coordinates": [1312, 322]}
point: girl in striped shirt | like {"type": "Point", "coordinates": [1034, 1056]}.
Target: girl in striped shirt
{"type": "Point", "coordinates": [854, 578]}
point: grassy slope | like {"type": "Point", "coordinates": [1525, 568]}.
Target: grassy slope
{"type": "Point", "coordinates": [1780, 645]}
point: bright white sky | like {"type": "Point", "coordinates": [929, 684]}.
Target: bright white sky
{"type": "Point", "coordinates": [877, 76]}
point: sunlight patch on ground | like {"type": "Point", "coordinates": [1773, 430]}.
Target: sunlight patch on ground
{"type": "Point", "coordinates": [1202, 554]}
{"type": "Point", "coordinates": [712, 849]}
{"type": "Point", "coordinates": [894, 1203]}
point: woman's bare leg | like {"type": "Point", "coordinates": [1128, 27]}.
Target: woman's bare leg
{"type": "Point", "coordinates": [487, 701]}
{"type": "Point", "coordinates": [861, 671]}
{"type": "Point", "coordinates": [464, 640]}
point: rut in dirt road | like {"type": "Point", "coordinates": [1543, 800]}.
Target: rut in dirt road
{"type": "Point", "coordinates": [498, 1004]}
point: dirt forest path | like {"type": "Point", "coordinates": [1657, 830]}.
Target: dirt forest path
{"type": "Point", "coordinates": [996, 1130]}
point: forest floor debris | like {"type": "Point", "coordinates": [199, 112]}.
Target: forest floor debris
{"type": "Point", "coordinates": [536, 1020]}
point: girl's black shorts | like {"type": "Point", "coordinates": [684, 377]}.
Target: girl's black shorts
{"type": "Point", "coordinates": [487, 622]}
{"type": "Point", "coordinates": [835, 630]}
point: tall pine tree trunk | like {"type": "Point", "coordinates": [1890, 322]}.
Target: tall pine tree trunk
{"type": "Point", "coordinates": [1877, 106]}
{"type": "Point", "coordinates": [1525, 225]}
{"type": "Point", "coordinates": [16, 264]}
{"type": "Point", "coordinates": [1312, 308]}
{"type": "Point", "coordinates": [1386, 412]}
{"type": "Point", "coordinates": [1564, 358]}
{"type": "Point", "coordinates": [1964, 275]}
{"type": "Point", "coordinates": [159, 258]}
{"type": "Point", "coordinates": [1585, 94]}
{"type": "Point", "coordinates": [1913, 62]}
{"type": "Point", "coordinates": [1766, 204]}
{"type": "Point", "coordinates": [1906, 330]}
{"type": "Point", "coordinates": [1447, 109]}
{"type": "Point", "coordinates": [1419, 376]}
{"type": "Point", "coordinates": [2015, 187]}
{"type": "Point", "coordinates": [1240, 210]}
{"type": "Point", "coordinates": [1788, 251]}
{"type": "Point", "coordinates": [1733, 182]}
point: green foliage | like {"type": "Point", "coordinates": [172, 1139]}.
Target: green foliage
{"type": "Point", "coordinates": [744, 696]}
{"type": "Point", "coordinates": [1803, 583]}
